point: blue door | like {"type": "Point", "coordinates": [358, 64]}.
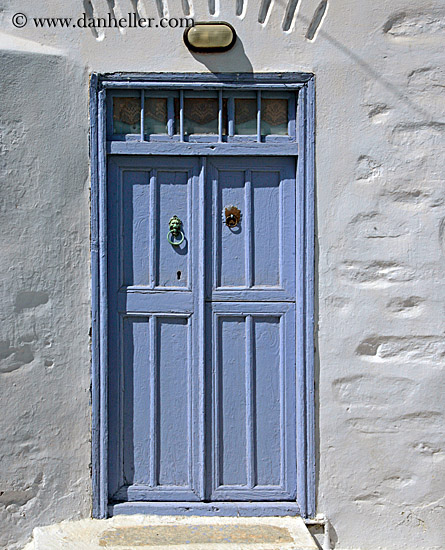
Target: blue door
{"type": "Point", "coordinates": [202, 388]}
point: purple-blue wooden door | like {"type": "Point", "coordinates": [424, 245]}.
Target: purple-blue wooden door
{"type": "Point", "coordinates": [202, 385]}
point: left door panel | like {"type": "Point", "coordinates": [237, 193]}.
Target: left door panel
{"type": "Point", "coordinates": [154, 381]}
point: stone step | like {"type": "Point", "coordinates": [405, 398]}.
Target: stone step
{"type": "Point", "coordinates": [139, 532]}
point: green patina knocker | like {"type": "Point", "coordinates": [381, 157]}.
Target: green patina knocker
{"type": "Point", "coordinates": [175, 231]}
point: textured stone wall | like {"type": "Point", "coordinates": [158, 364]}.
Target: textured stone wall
{"type": "Point", "coordinates": [380, 80]}
{"type": "Point", "coordinates": [44, 294]}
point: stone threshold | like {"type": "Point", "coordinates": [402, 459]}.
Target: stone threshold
{"type": "Point", "coordinates": [142, 532]}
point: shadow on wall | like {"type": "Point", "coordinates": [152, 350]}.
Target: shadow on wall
{"type": "Point", "coordinates": [233, 61]}
{"type": "Point", "coordinates": [371, 72]}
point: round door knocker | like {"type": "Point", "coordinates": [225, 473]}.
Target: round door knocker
{"type": "Point", "coordinates": [232, 216]}
{"type": "Point", "coordinates": [174, 226]}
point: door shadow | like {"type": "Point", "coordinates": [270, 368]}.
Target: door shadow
{"type": "Point", "coordinates": [233, 61]}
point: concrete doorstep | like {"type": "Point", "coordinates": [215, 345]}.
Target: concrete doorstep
{"type": "Point", "coordinates": [175, 533]}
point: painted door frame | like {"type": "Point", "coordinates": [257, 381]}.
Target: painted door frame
{"type": "Point", "coordinates": [305, 257]}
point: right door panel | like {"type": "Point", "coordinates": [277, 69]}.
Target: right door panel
{"type": "Point", "coordinates": [251, 309]}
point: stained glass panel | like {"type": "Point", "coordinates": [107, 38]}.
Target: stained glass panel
{"type": "Point", "coordinates": [126, 115]}
{"type": "Point", "coordinates": [274, 117]}
{"type": "Point", "coordinates": [245, 116]}
{"type": "Point", "coordinates": [201, 115]}
{"type": "Point", "coordinates": [155, 115]}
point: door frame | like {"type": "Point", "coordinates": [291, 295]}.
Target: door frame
{"type": "Point", "coordinates": [305, 261]}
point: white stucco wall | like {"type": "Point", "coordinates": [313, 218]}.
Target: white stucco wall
{"type": "Point", "coordinates": [380, 206]}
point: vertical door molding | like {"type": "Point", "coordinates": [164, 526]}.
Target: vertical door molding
{"type": "Point", "coordinates": [99, 329]}
{"type": "Point", "coordinates": [305, 270]}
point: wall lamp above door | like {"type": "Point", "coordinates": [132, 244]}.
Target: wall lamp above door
{"type": "Point", "coordinates": [210, 37]}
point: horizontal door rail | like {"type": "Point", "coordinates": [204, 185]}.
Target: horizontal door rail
{"type": "Point", "coordinates": [176, 148]}
{"type": "Point", "coordinates": [202, 86]}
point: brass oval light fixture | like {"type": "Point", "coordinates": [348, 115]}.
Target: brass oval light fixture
{"type": "Point", "coordinates": [208, 37]}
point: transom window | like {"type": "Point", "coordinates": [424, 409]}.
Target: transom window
{"type": "Point", "coordinates": [202, 116]}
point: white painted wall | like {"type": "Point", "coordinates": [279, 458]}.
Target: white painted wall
{"type": "Point", "coordinates": [380, 78]}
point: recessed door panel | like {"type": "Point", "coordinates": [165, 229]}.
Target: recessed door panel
{"type": "Point", "coordinates": [172, 428]}
{"type": "Point", "coordinates": [266, 227]}
{"type": "Point", "coordinates": [268, 397]}
{"type": "Point", "coordinates": [157, 434]}
{"type": "Point", "coordinates": [137, 345]}
{"type": "Point", "coordinates": [254, 259]}
{"type": "Point", "coordinates": [136, 230]}
{"type": "Point", "coordinates": [230, 413]}
{"type": "Point", "coordinates": [173, 198]}
{"type": "Point", "coordinates": [230, 251]}
{"type": "Point", "coordinates": [254, 453]}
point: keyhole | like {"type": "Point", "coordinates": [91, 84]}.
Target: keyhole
{"type": "Point", "coordinates": [178, 275]}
